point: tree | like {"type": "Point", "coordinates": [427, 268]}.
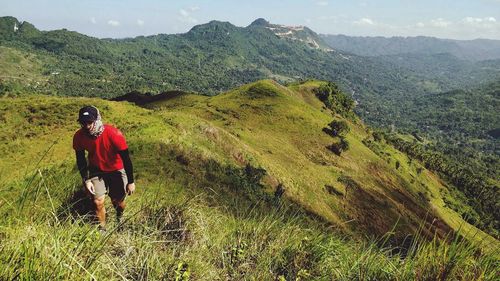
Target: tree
{"type": "Point", "coordinates": [339, 128]}
{"type": "Point", "coordinates": [339, 147]}
{"type": "Point", "coordinates": [335, 99]}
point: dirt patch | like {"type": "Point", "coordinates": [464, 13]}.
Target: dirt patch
{"type": "Point", "coordinates": [211, 132]}
{"type": "Point", "coordinates": [239, 157]}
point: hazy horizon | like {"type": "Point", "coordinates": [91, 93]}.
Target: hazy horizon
{"type": "Point", "coordinates": [460, 20]}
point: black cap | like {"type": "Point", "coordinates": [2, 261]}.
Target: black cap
{"type": "Point", "coordinates": [87, 113]}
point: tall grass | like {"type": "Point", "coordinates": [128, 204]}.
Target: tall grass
{"type": "Point", "coordinates": [194, 218]}
{"type": "Point", "coordinates": [175, 233]}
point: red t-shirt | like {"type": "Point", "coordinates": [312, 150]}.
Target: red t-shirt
{"type": "Point", "coordinates": [103, 150]}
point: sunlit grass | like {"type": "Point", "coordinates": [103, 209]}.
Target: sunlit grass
{"type": "Point", "coordinates": [168, 232]}
{"type": "Point", "coordinates": [206, 170]}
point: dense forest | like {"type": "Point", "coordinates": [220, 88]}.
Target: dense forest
{"type": "Point", "coordinates": [473, 187]}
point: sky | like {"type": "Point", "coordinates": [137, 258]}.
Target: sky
{"type": "Point", "coordinates": [454, 19]}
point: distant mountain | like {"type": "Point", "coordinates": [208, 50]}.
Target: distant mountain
{"type": "Point", "coordinates": [208, 59]}
{"type": "Point", "coordinates": [213, 57]}
{"type": "Point", "coordinates": [473, 50]}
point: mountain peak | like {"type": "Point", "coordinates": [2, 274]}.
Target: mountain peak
{"type": "Point", "coordinates": [213, 25]}
{"type": "Point", "coordinates": [9, 26]}
{"type": "Point", "coordinates": [260, 22]}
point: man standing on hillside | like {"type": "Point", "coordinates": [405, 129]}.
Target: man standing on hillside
{"type": "Point", "coordinates": [109, 168]}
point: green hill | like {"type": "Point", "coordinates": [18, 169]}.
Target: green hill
{"type": "Point", "coordinates": [241, 185]}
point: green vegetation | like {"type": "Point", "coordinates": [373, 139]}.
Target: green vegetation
{"type": "Point", "coordinates": [480, 192]}
{"type": "Point", "coordinates": [457, 113]}
{"type": "Point", "coordinates": [454, 136]}
{"type": "Point", "coordinates": [340, 146]}
{"type": "Point", "coordinates": [19, 72]}
{"type": "Point", "coordinates": [393, 89]}
{"type": "Point", "coordinates": [218, 56]}
{"type": "Point", "coordinates": [335, 100]}
{"type": "Point", "coordinates": [459, 124]}
{"type": "Point", "coordinates": [199, 240]}
{"type": "Point", "coordinates": [207, 171]}
{"type": "Point", "coordinates": [233, 151]}
{"type": "Point", "coordinates": [339, 128]}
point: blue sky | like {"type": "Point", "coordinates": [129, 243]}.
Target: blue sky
{"type": "Point", "coordinates": [458, 19]}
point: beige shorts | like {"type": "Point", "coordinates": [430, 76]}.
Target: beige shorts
{"type": "Point", "coordinates": [112, 183]}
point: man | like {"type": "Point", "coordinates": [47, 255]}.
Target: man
{"type": "Point", "coordinates": [109, 169]}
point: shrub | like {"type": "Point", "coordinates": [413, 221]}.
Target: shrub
{"type": "Point", "coordinates": [378, 136]}
{"type": "Point", "coordinates": [339, 147]}
{"type": "Point", "coordinates": [339, 128]}
{"type": "Point", "coordinates": [335, 99]}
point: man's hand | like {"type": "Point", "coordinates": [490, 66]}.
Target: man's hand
{"type": "Point", "coordinates": [89, 186]}
{"type": "Point", "coordinates": [130, 188]}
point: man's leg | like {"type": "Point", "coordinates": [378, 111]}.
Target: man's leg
{"type": "Point", "coordinates": [119, 207]}
{"type": "Point", "coordinates": [117, 183]}
{"type": "Point", "coordinates": [98, 199]}
{"type": "Point", "coordinates": [100, 211]}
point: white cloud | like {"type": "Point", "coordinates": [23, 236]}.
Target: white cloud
{"type": "Point", "coordinates": [365, 21]}
{"type": "Point", "coordinates": [140, 22]}
{"type": "Point", "coordinates": [480, 27]}
{"type": "Point", "coordinates": [322, 3]}
{"type": "Point", "coordinates": [185, 15]}
{"type": "Point", "coordinates": [466, 28]}
{"type": "Point", "coordinates": [194, 8]}
{"type": "Point", "coordinates": [113, 22]}
{"type": "Point", "coordinates": [93, 20]}
{"type": "Point", "coordinates": [479, 20]}
{"type": "Point", "coordinates": [440, 22]}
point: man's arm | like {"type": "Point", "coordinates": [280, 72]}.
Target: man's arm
{"type": "Point", "coordinates": [127, 164]}
{"type": "Point", "coordinates": [81, 163]}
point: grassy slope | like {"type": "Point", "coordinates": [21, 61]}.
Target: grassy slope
{"type": "Point", "coordinates": [198, 147]}
{"type": "Point", "coordinates": [20, 70]}
{"type": "Point", "coordinates": [281, 129]}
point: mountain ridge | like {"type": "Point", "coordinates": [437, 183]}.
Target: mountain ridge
{"type": "Point", "coordinates": [473, 50]}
